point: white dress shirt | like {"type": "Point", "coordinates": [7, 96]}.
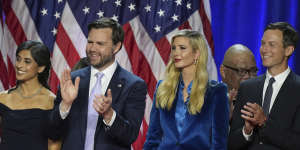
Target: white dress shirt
{"type": "Point", "coordinates": [108, 73]}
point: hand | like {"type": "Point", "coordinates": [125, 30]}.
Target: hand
{"type": "Point", "coordinates": [68, 90]}
{"type": "Point", "coordinates": [253, 113]}
{"type": "Point", "coordinates": [102, 105]}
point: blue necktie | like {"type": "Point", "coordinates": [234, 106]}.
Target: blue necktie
{"type": "Point", "coordinates": [92, 117]}
{"type": "Point", "coordinates": [268, 96]}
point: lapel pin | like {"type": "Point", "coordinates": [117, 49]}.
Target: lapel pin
{"type": "Point", "coordinates": [119, 85]}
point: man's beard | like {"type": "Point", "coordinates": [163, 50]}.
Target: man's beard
{"type": "Point", "coordinates": [105, 60]}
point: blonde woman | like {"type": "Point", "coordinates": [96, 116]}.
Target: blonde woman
{"type": "Point", "coordinates": [189, 112]}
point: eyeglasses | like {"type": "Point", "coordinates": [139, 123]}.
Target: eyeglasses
{"type": "Point", "coordinates": [242, 72]}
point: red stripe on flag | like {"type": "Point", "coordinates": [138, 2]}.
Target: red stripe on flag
{"type": "Point", "coordinates": [206, 27]}
{"type": "Point", "coordinates": [13, 24]}
{"type": "Point", "coordinates": [3, 75]}
{"type": "Point", "coordinates": [164, 48]}
{"type": "Point", "coordinates": [139, 142]}
{"type": "Point", "coordinates": [185, 25]}
{"type": "Point", "coordinates": [138, 61]}
{"type": "Point", "coordinates": [11, 73]}
{"type": "Point", "coordinates": [53, 81]}
{"type": "Point", "coordinates": [66, 46]}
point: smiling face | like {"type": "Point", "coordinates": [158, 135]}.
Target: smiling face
{"type": "Point", "coordinates": [274, 55]}
{"type": "Point", "coordinates": [100, 49]}
{"type": "Point", "coordinates": [183, 54]}
{"type": "Point", "coordinates": [26, 67]}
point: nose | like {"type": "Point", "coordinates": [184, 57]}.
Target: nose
{"type": "Point", "coordinates": [91, 46]}
{"type": "Point", "coordinates": [176, 51]}
{"type": "Point", "coordinates": [19, 65]}
{"type": "Point", "coordinates": [264, 48]}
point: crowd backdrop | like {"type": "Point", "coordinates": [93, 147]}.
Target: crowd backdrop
{"type": "Point", "coordinates": [149, 26]}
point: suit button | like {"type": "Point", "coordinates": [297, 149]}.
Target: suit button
{"type": "Point", "coordinates": [261, 142]}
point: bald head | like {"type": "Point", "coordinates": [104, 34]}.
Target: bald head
{"type": "Point", "coordinates": [238, 51]}
{"type": "Point", "coordinates": [237, 57]}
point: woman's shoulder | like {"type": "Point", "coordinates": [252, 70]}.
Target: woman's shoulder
{"type": "Point", "coordinates": [48, 99]}
{"type": "Point", "coordinates": [50, 94]}
{"type": "Point", "coordinates": [216, 86]}
{"type": "Point", "coordinates": [4, 95]}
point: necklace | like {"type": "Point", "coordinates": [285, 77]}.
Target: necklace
{"type": "Point", "coordinates": [30, 96]}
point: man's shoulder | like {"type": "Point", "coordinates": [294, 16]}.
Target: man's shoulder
{"type": "Point", "coordinates": [254, 81]}
{"type": "Point", "coordinates": [128, 76]}
{"type": "Point", "coordinates": [81, 72]}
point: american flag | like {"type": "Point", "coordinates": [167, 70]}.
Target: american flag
{"type": "Point", "coordinates": [62, 26]}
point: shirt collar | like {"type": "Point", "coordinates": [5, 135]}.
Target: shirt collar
{"type": "Point", "coordinates": [280, 77]}
{"type": "Point", "coordinates": [109, 71]}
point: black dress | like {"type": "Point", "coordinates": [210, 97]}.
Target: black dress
{"type": "Point", "coordinates": [24, 129]}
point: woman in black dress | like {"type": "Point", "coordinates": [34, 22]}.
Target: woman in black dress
{"type": "Point", "coordinates": [24, 108]}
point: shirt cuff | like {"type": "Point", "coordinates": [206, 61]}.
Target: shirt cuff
{"type": "Point", "coordinates": [247, 136]}
{"type": "Point", "coordinates": [63, 114]}
{"type": "Point", "coordinates": [112, 119]}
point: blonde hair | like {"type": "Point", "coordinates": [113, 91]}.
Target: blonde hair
{"type": "Point", "coordinates": [167, 90]}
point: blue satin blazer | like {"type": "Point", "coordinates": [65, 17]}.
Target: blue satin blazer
{"type": "Point", "coordinates": [207, 130]}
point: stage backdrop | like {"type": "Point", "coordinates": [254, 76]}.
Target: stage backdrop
{"type": "Point", "coordinates": [243, 21]}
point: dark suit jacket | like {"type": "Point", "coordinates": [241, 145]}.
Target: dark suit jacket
{"type": "Point", "coordinates": [282, 129]}
{"type": "Point", "coordinates": [207, 130]}
{"type": "Point", "coordinates": [128, 100]}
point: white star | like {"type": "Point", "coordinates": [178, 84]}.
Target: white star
{"type": "Point", "coordinates": [178, 2]}
{"type": "Point", "coordinates": [100, 14]}
{"type": "Point", "coordinates": [189, 6]}
{"type": "Point", "coordinates": [161, 13]}
{"type": "Point", "coordinates": [104, 1]}
{"type": "Point", "coordinates": [157, 28]}
{"type": "Point", "coordinates": [175, 17]}
{"type": "Point", "coordinates": [131, 7]}
{"type": "Point", "coordinates": [114, 17]}
{"type": "Point", "coordinates": [59, 1]}
{"type": "Point", "coordinates": [86, 10]}
{"type": "Point", "coordinates": [44, 12]}
{"type": "Point", "coordinates": [148, 8]}
{"type": "Point", "coordinates": [54, 31]}
{"type": "Point", "coordinates": [57, 15]}
{"type": "Point", "coordinates": [118, 2]}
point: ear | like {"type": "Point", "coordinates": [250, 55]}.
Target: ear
{"type": "Point", "coordinates": [197, 54]}
{"type": "Point", "coordinates": [117, 48]}
{"type": "Point", "coordinates": [41, 69]}
{"type": "Point", "coordinates": [289, 50]}
{"type": "Point", "coordinates": [222, 72]}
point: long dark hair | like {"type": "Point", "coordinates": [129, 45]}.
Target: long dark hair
{"type": "Point", "coordinates": [41, 55]}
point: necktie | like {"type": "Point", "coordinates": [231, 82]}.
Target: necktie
{"type": "Point", "coordinates": [92, 117]}
{"type": "Point", "coordinates": [268, 96]}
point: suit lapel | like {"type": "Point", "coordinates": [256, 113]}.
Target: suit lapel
{"type": "Point", "coordinates": [116, 84]}
{"type": "Point", "coordinates": [260, 88]}
{"type": "Point", "coordinates": [83, 99]}
{"type": "Point", "coordinates": [282, 94]}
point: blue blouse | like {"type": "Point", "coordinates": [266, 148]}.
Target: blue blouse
{"type": "Point", "coordinates": [181, 111]}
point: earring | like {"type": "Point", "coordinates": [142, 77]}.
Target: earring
{"type": "Point", "coordinates": [195, 61]}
